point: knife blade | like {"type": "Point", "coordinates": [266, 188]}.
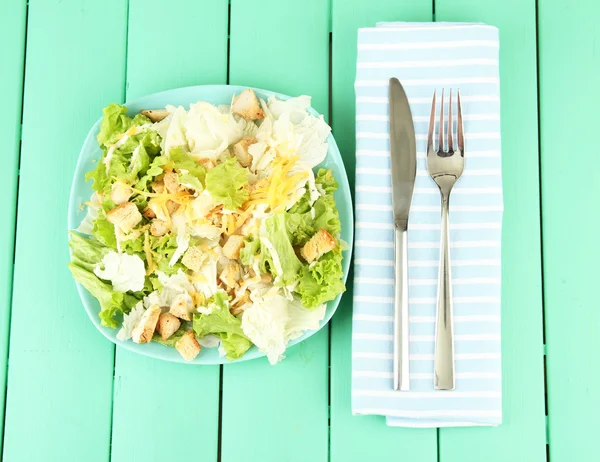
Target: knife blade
{"type": "Point", "coordinates": [403, 160]}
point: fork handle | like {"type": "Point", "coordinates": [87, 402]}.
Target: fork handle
{"type": "Point", "coordinates": [443, 378]}
{"type": "Point", "coordinates": [401, 369]}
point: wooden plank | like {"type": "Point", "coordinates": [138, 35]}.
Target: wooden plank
{"type": "Point", "coordinates": [522, 434]}
{"type": "Point", "coordinates": [569, 74]}
{"type": "Point", "coordinates": [281, 46]}
{"type": "Point", "coordinates": [148, 392]}
{"type": "Point", "coordinates": [356, 439]}
{"type": "Point", "coordinates": [60, 374]}
{"type": "Point", "coordinates": [12, 30]}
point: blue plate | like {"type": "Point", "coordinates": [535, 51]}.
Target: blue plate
{"type": "Point", "coordinates": [215, 94]}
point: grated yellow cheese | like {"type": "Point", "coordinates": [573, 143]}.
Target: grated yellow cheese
{"type": "Point", "coordinates": [280, 186]}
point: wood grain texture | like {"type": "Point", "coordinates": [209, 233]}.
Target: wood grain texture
{"type": "Point", "coordinates": [353, 438]}
{"type": "Point", "coordinates": [279, 413]}
{"type": "Point", "coordinates": [60, 374]}
{"type": "Point", "coordinates": [569, 76]}
{"type": "Point", "coordinates": [12, 30]}
{"type": "Point", "coordinates": [522, 433]}
{"type": "Point", "coordinates": [178, 402]}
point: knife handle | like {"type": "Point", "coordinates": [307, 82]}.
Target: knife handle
{"type": "Point", "coordinates": [401, 365]}
{"type": "Point", "coordinates": [443, 378]}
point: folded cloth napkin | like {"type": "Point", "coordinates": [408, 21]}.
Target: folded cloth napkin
{"type": "Point", "coordinates": [427, 57]}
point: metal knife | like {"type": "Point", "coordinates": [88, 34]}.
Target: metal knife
{"type": "Point", "coordinates": [403, 154]}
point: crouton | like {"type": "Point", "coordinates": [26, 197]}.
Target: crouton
{"type": "Point", "coordinates": [193, 258]}
{"type": "Point", "coordinates": [158, 187]}
{"type": "Point", "coordinates": [155, 115]}
{"type": "Point", "coordinates": [167, 325]}
{"type": "Point", "coordinates": [149, 213]}
{"type": "Point", "coordinates": [143, 332]}
{"type": "Point", "coordinates": [239, 306]}
{"type": "Point", "coordinates": [188, 346]}
{"type": "Point", "coordinates": [230, 274]}
{"type": "Point", "coordinates": [232, 247]}
{"type": "Point", "coordinates": [266, 278]}
{"type": "Point", "coordinates": [172, 206]}
{"type": "Point", "coordinates": [158, 228]}
{"type": "Point", "coordinates": [171, 182]}
{"type": "Point", "coordinates": [120, 193]}
{"type": "Point", "coordinates": [318, 245]}
{"type": "Point", "coordinates": [125, 217]}
{"type": "Point", "coordinates": [179, 307]}
{"type": "Point", "coordinates": [247, 106]}
{"type": "Point", "coordinates": [240, 149]}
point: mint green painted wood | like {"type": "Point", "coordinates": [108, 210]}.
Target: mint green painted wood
{"type": "Point", "coordinates": [60, 373]}
{"type": "Point", "coordinates": [274, 414]}
{"type": "Point", "coordinates": [358, 439]}
{"type": "Point", "coordinates": [522, 434]}
{"type": "Point", "coordinates": [569, 77]}
{"type": "Point", "coordinates": [148, 392]}
{"type": "Point", "coordinates": [12, 30]}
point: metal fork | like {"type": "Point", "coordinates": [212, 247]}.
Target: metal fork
{"type": "Point", "coordinates": [445, 167]}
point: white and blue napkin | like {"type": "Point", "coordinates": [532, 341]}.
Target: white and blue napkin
{"type": "Point", "coordinates": [427, 57]}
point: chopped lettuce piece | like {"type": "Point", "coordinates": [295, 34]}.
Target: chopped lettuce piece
{"type": "Point", "coordinates": [302, 222]}
{"type": "Point", "coordinates": [321, 281]}
{"type": "Point", "coordinates": [284, 263]}
{"type": "Point", "coordinates": [190, 181]}
{"type": "Point", "coordinates": [182, 161]}
{"type": "Point", "coordinates": [249, 250]}
{"type": "Point", "coordinates": [221, 322]}
{"type": "Point", "coordinates": [326, 181]}
{"type": "Point", "coordinates": [104, 231]}
{"type": "Point", "coordinates": [86, 252]}
{"type": "Point", "coordinates": [114, 123]}
{"type": "Point", "coordinates": [111, 301]}
{"type": "Point", "coordinates": [227, 182]}
{"type": "Point", "coordinates": [271, 322]}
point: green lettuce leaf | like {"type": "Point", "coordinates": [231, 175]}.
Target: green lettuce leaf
{"type": "Point", "coordinates": [321, 281]}
{"type": "Point", "coordinates": [182, 161]}
{"type": "Point", "coordinates": [326, 180]}
{"type": "Point", "coordinates": [155, 169]}
{"type": "Point", "coordinates": [235, 345]}
{"type": "Point", "coordinates": [301, 225]}
{"type": "Point", "coordinates": [113, 124]}
{"type": "Point", "coordinates": [164, 247]}
{"type": "Point", "coordinates": [222, 323]}
{"type": "Point", "coordinates": [278, 236]}
{"type": "Point", "coordinates": [86, 252]}
{"type": "Point", "coordinates": [104, 231]}
{"type": "Point", "coordinates": [111, 302]}
{"type": "Point", "coordinates": [123, 165]}
{"type": "Point", "coordinates": [250, 249]}
{"type": "Point", "coordinates": [327, 216]}
{"type": "Point", "coordinates": [190, 181]}
{"type": "Point", "coordinates": [227, 182]}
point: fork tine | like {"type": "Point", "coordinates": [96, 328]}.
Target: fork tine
{"type": "Point", "coordinates": [459, 130]}
{"type": "Point", "coordinates": [431, 126]}
{"type": "Point", "coordinates": [450, 140]}
{"type": "Point", "coordinates": [441, 128]}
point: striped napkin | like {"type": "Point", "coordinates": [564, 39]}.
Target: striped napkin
{"type": "Point", "coordinates": [428, 56]}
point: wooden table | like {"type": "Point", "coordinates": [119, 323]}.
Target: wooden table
{"type": "Point", "coordinates": [71, 396]}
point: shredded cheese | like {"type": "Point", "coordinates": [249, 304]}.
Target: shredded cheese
{"type": "Point", "coordinates": [280, 186]}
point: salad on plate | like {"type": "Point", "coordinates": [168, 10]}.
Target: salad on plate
{"type": "Point", "coordinates": [212, 227]}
